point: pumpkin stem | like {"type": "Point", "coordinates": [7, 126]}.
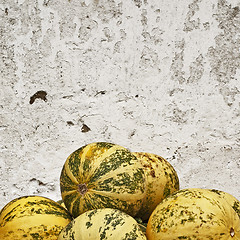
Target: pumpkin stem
{"type": "Point", "coordinates": [82, 188]}
{"type": "Point", "coordinates": [232, 233]}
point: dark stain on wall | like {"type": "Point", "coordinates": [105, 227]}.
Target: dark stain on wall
{"type": "Point", "coordinates": [85, 128]}
{"type": "Point", "coordinates": [39, 94]}
{"type": "Point", "coordinates": [224, 57]}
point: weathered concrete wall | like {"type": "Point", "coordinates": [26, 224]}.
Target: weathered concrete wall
{"type": "Point", "coordinates": [152, 75]}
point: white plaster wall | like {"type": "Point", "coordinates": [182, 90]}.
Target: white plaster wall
{"type": "Point", "coordinates": [152, 75]}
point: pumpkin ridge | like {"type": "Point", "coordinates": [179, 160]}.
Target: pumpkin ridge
{"type": "Point", "coordinates": [112, 174]}
{"type": "Point", "coordinates": [110, 195]}
{"type": "Point", "coordinates": [100, 160]}
{"type": "Point", "coordinates": [68, 193]}
{"type": "Point", "coordinates": [114, 163]}
{"type": "Point", "coordinates": [73, 201]}
{"type": "Point", "coordinates": [73, 195]}
{"type": "Point", "coordinates": [69, 173]}
{"type": "Point", "coordinates": [83, 158]}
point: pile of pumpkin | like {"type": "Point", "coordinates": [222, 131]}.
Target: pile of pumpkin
{"type": "Point", "coordinates": [109, 192]}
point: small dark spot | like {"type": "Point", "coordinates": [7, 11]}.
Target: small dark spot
{"type": "Point", "coordinates": [45, 3]}
{"type": "Point", "coordinates": [67, 96]}
{"type": "Point", "coordinates": [100, 92]}
{"type": "Point", "coordinates": [149, 166]}
{"type": "Point", "coordinates": [39, 94]}
{"type": "Point", "coordinates": [152, 173]}
{"type": "Point", "coordinates": [216, 191]}
{"type": "Point", "coordinates": [12, 21]}
{"type": "Point", "coordinates": [158, 158]}
{"type": "Point", "coordinates": [235, 11]}
{"type": "Point", "coordinates": [132, 133]}
{"type": "Point", "coordinates": [40, 183]}
{"type": "Point", "coordinates": [88, 224]}
{"type": "Point", "coordinates": [6, 11]}
{"type": "Point", "coordinates": [138, 3]}
{"type": "Point", "coordinates": [70, 123]}
{"type": "Point", "coordinates": [85, 128]}
{"type": "Point", "coordinates": [136, 95]}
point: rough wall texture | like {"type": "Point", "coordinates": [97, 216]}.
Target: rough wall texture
{"type": "Point", "coordinates": [152, 75]}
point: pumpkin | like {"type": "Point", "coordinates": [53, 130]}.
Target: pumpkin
{"type": "Point", "coordinates": [161, 181]}
{"type": "Point", "coordinates": [32, 217]}
{"type": "Point", "coordinates": [103, 224]}
{"type": "Point", "coordinates": [193, 213]}
{"type": "Point", "coordinates": [234, 202]}
{"type": "Point", "coordinates": [102, 175]}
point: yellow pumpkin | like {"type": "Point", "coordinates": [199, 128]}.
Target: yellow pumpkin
{"type": "Point", "coordinates": [195, 213]}
{"type": "Point", "coordinates": [32, 217]}
{"type": "Point", "coordinates": [161, 181]}
{"type": "Point", "coordinates": [99, 224]}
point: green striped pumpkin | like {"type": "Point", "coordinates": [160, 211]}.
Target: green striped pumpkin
{"type": "Point", "coordinates": [161, 181]}
{"type": "Point", "coordinates": [103, 224]}
{"type": "Point", "coordinates": [32, 218]}
{"type": "Point", "coordinates": [102, 175]}
{"type": "Point", "coordinates": [194, 214]}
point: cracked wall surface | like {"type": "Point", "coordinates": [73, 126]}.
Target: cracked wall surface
{"type": "Point", "coordinates": [154, 76]}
